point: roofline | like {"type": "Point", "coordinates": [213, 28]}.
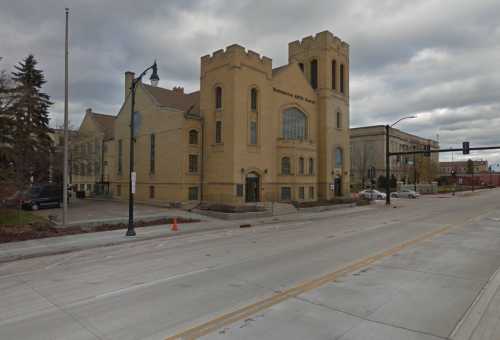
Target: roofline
{"type": "Point", "coordinates": [406, 133]}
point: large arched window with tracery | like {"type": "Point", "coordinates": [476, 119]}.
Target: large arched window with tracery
{"type": "Point", "coordinates": [294, 124]}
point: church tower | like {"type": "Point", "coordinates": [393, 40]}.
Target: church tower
{"type": "Point", "coordinates": [324, 59]}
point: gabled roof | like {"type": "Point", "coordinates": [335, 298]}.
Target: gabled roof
{"type": "Point", "coordinates": [106, 123]}
{"type": "Point", "coordinates": [189, 103]}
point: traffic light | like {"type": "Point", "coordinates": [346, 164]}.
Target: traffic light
{"type": "Point", "coordinates": [465, 148]}
{"type": "Point", "coordinates": [427, 149]}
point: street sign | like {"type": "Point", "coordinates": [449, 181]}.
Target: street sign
{"type": "Point", "coordinates": [133, 177]}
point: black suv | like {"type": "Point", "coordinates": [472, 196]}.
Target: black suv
{"type": "Point", "coordinates": [42, 195]}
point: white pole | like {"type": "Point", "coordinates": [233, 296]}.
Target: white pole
{"type": "Point", "coordinates": [65, 166]}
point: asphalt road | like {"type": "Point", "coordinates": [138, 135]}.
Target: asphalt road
{"type": "Point", "coordinates": [409, 272]}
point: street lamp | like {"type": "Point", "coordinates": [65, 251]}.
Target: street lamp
{"type": "Point", "coordinates": [387, 163]}
{"type": "Point", "coordinates": [131, 186]}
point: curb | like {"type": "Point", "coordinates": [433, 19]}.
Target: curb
{"type": "Point", "coordinates": [470, 321]}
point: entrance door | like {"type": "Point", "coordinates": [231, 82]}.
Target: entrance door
{"type": "Point", "coordinates": [252, 187]}
{"type": "Point", "coordinates": [338, 186]}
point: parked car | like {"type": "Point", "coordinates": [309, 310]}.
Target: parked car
{"type": "Point", "coordinates": [42, 196]}
{"type": "Point", "coordinates": [407, 193]}
{"type": "Point", "coordinates": [372, 194]}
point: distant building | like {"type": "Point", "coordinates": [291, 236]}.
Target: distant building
{"type": "Point", "coordinates": [368, 156]}
{"type": "Point", "coordinates": [89, 158]}
{"type": "Point", "coordinates": [461, 167]}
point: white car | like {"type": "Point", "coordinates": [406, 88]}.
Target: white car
{"type": "Point", "coordinates": [405, 193]}
{"type": "Point", "coordinates": [372, 194]}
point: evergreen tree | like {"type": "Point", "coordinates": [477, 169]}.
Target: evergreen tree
{"type": "Point", "coordinates": [6, 124]}
{"type": "Point", "coordinates": [32, 143]}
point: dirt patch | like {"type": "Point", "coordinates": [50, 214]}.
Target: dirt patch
{"type": "Point", "coordinates": [22, 232]}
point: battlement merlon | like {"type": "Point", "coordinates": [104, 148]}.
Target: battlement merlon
{"type": "Point", "coordinates": [236, 56]}
{"type": "Point", "coordinates": [321, 40]}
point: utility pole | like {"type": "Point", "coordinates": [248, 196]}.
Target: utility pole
{"type": "Point", "coordinates": [414, 169]}
{"type": "Point", "coordinates": [387, 168]}
{"type": "Point", "coordinates": [65, 165]}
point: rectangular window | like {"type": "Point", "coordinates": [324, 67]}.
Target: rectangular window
{"type": "Point", "coordinates": [334, 74]}
{"type": "Point", "coordinates": [89, 187]}
{"type": "Point", "coordinates": [339, 121]}
{"type": "Point", "coordinates": [301, 65]}
{"type": "Point", "coordinates": [311, 166]}
{"type": "Point", "coordinates": [151, 192]}
{"type": "Point", "coordinates": [218, 132]}
{"type": "Point", "coordinates": [314, 74]}
{"type": "Point", "coordinates": [152, 146]}
{"type": "Point", "coordinates": [193, 193]}
{"type": "Point", "coordinates": [253, 132]}
{"type": "Point", "coordinates": [342, 78]}
{"type": "Point", "coordinates": [120, 155]}
{"type": "Point", "coordinates": [82, 187]}
{"type": "Point", "coordinates": [118, 190]}
{"type": "Point", "coordinates": [311, 192]}
{"type": "Point", "coordinates": [193, 163]}
{"type": "Point", "coordinates": [286, 193]}
{"type": "Point", "coordinates": [301, 193]}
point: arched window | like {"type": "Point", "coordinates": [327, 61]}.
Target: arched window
{"type": "Point", "coordinates": [339, 120]}
{"type": "Point", "coordinates": [218, 98]}
{"type": "Point", "coordinates": [338, 157]}
{"type": "Point", "coordinates": [253, 99]}
{"type": "Point", "coordinates": [301, 166]}
{"type": "Point", "coordinates": [311, 166]}
{"type": "Point", "coordinates": [193, 137]}
{"type": "Point", "coordinates": [342, 78]}
{"type": "Point", "coordinates": [314, 74]}
{"type": "Point", "coordinates": [285, 166]}
{"type": "Point", "coordinates": [334, 74]}
{"type": "Point", "coordinates": [294, 124]}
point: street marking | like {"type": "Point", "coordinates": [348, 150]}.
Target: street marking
{"type": "Point", "coordinates": [245, 312]}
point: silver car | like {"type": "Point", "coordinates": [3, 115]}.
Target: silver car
{"type": "Point", "coordinates": [372, 194]}
{"type": "Point", "coordinates": [406, 193]}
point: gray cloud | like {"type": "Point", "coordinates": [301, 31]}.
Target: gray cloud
{"type": "Point", "coordinates": [437, 59]}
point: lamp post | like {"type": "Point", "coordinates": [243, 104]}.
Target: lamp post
{"type": "Point", "coordinates": [131, 186]}
{"type": "Point", "coordinates": [387, 163]}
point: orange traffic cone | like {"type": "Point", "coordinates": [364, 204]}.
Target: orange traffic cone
{"type": "Point", "coordinates": [174, 225]}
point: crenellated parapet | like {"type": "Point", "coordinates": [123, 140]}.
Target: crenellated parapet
{"type": "Point", "coordinates": [322, 40]}
{"type": "Point", "coordinates": [236, 56]}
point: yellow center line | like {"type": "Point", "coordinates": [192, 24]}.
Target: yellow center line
{"type": "Point", "coordinates": [247, 311]}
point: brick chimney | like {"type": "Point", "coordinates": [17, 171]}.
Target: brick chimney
{"type": "Point", "coordinates": [129, 77]}
{"type": "Point", "coordinates": [178, 90]}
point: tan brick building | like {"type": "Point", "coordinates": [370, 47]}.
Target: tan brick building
{"type": "Point", "coordinates": [367, 146]}
{"type": "Point", "coordinates": [88, 157]}
{"type": "Point", "coordinates": [252, 132]}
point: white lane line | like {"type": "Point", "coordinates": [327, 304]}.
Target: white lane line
{"type": "Point", "coordinates": [135, 287]}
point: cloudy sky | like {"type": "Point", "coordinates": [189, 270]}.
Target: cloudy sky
{"type": "Point", "coordinates": [437, 59]}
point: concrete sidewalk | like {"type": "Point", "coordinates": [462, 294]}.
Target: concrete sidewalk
{"type": "Point", "coordinates": [56, 245]}
{"type": "Point", "coordinates": [482, 320]}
